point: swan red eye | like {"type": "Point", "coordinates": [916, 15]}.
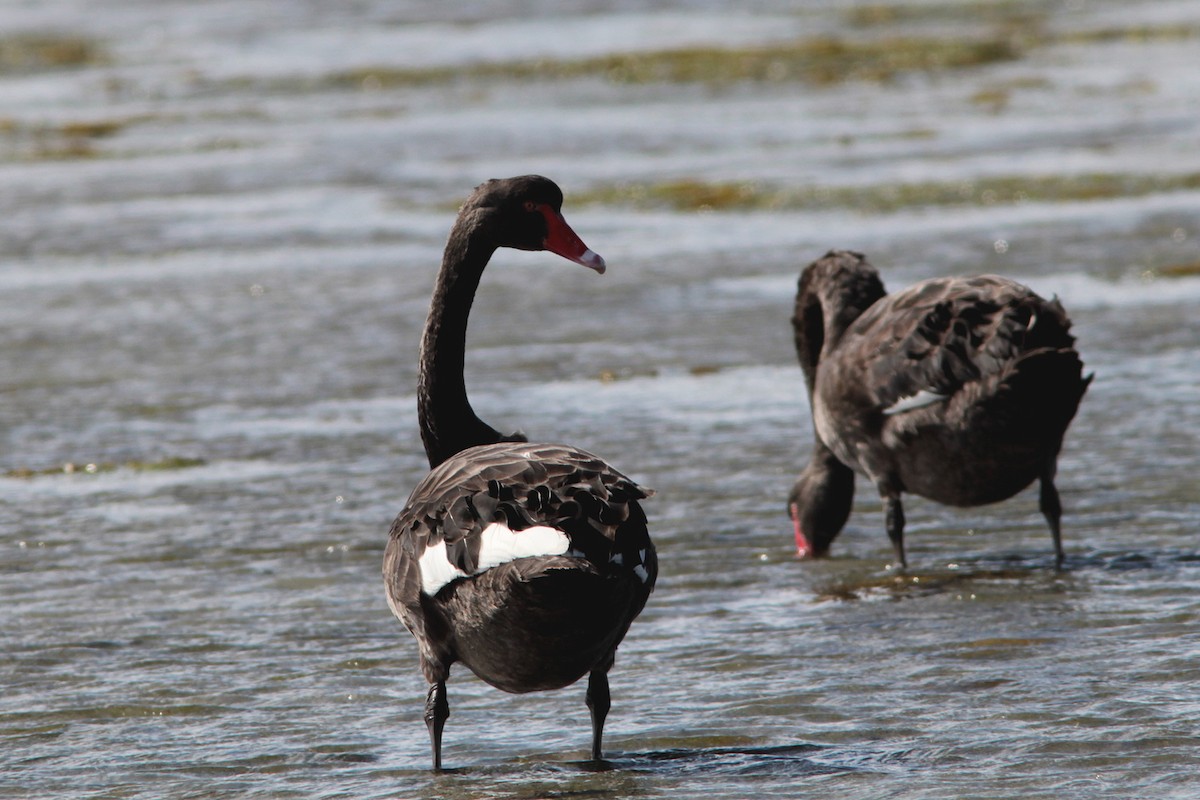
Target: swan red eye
{"type": "Point", "coordinates": [530, 205]}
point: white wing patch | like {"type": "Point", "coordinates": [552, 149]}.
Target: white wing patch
{"type": "Point", "coordinates": [919, 400]}
{"type": "Point", "coordinates": [501, 544]}
{"type": "Point", "coordinates": [498, 545]}
{"type": "Point", "coordinates": [436, 569]}
{"type": "Point", "coordinates": [640, 570]}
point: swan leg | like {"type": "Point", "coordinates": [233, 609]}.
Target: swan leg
{"type": "Point", "coordinates": [437, 709]}
{"type": "Point", "coordinates": [1052, 510]}
{"type": "Point", "coordinates": [895, 526]}
{"type": "Point", "coordinates": [598, 702]}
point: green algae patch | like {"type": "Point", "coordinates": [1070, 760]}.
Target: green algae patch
{"type": "Point", "coordinates": [820, 61]}
{"type": "Point", "coordinates": [165, 464]}
{"type": "Point", "coordinates": [697, 195]}
{"type": "Point", "coordinates": [689, 195]}
{"type": "Point", "coordinates": [1010, 12]}
{"type": "Point", "coordinates": [1003, 32]}
{"type": "Point", "coordinates": [1185, 270]}
{"type": "Point", "coordinates": [909, 584]}
{"type": "Point", "coordinates": [40, 52]}
{"type": "Point", "coordinates": [612, 375]}
{"type": "Point", "coordinates": [995, 97]}
{"type": "Point", "coordinates": [823, 60]}
{"type": "Point", "coordinates": [95, 468]}
{"type": "Point", "coordinates": [98, 129]}
{"type": "Point", "coordinates": [1135, 34]}
{"type": "Point", "coordinates": [1027, 21]}
{"type": "Point", "coordinates": [74, 139]}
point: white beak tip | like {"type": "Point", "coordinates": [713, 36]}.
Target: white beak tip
{"type": "Point", "coordinates": [592, 260]}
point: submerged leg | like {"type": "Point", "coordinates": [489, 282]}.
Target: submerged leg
{"type": "Point", "coordinates": [895, 526]}
{"type": "Point", "coordinates": [437, 709]}
{"type": "Point", "coordinates": [1052, 510]}
{"type": "Point", "coordinates": [598, 702]}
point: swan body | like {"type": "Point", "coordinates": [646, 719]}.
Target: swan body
{"type": "Point", "coordinates": [958, 389]}
{"type": "Point", "coordinates": [525, 562]}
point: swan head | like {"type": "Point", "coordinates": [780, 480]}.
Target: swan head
{"type": "Point", "coordinates": [525, 213]}
{"type": "Point", "coordinates": [819, 504]}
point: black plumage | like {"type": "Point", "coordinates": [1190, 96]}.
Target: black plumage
{"type": "Point", "coordinates": [956, 389]}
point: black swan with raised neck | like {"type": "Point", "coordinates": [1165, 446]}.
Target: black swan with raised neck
{"type": "Point", "coordinates": [525, 562]}
{"type": "Point", "coordinates": [958, 389]}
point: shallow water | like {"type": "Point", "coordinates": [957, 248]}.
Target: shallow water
{"type": "Point", "coordinates": [218, 234]}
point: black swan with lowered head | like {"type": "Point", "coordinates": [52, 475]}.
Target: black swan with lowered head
{"type": "Point", "coordinates": [526, 562]}
{"type": "Point", "coordinates": [956, 389]}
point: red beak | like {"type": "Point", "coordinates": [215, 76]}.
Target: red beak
{"type": "Point", "coordinates": [563, 241]}
{"type": "Point", "coordinates": [804, 548]}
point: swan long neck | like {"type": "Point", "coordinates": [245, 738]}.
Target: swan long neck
{"type": "Point", "coordinates": [448, 423]}
{"type": "Point", "coordinates": [833, 292]}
